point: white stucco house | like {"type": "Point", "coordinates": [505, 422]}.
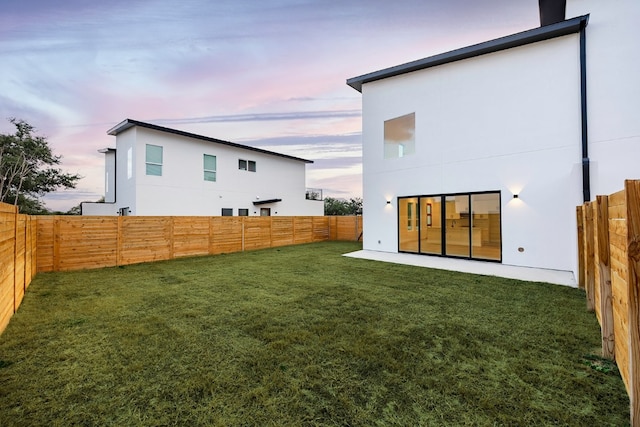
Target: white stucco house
{"type": "Point", "coordinates": [154, 170]}
{"type": "Point", "coordinates": [484, 152]}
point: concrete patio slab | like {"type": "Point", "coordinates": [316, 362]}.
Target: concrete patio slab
{"type": "Point", "coordinates": [558, 277]}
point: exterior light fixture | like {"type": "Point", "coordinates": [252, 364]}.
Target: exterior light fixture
{"type": "Point", "coordinates": [388, 202]}
{"type": "Point", "coordinates": [515, 196]}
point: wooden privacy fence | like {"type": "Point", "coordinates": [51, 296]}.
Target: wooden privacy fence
{"type": "Point", "coordinates": [17, 259]}
{"type": "Point", "coordinates": [609, 263]}
{"type": "Point", "coordinates": [71, 243]}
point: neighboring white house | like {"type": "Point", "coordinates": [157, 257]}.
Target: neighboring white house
{"type": "Point", "coordinates": [484, 152]}
{"type": "Point", "coordinates": [160, 171]}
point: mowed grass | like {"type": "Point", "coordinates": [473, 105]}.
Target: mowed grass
{"type": "Point", "coordinates": [302, 336]}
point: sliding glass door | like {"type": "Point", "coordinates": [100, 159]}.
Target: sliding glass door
{"type": "Point", "coordinates": [408, 226]}
{"type": "Point", "coordinates": [456, 225]}
{"type": "Point", "coordinates": [430, 225]}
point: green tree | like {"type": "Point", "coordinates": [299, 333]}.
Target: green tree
{"type": "Point", "coordinates": [28, 169]}
{"type": "Point", "coordinates": [333, 206]}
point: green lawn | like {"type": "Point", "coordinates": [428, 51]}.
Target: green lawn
{"type": "Point", "coordinates": [302, 336]}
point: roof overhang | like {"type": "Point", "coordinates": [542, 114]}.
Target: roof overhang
{"type": "Point", "coordinates": [107, 150]}
{"type": "Point", "coordinates": [264, 202]}
{"type": "Point", "coordinates": [563, 28]}
{"type": "Point", "coordinates": [129, 123]}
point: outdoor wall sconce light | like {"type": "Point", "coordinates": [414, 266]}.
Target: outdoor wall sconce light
{"type": "Point", "coordinates": [388, 202]}
{"type": "Point", "coordinates": [515, 196]}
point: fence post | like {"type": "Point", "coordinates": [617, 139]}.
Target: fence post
{"type": "Point", "coordinates": [632, 189]}
{"type": "Point", "coordinates": [590, 255]}
{"type": "Point", "coordinates": [581, 254]}
{"type": "Point", "coordinates": [15, 258]}
{"type": "Point", "coordinates": [604, 268]}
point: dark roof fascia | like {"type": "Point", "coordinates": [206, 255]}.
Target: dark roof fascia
{"type": "Point", "coordinates": [107, 150]}
{"type": "Point", "coordinates": [547, 32]}
{"type": "Point", "coordinates": [263, 202]}
{"type": "Point", "coordinates": [129, 123]}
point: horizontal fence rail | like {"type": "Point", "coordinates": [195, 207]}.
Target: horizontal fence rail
{"type": "Point", "coordinates": [79, 242]}
{"type": "Point", "coordinates": [17, 259]}
{"type": "Point", "coordinates": [31, 244]}
{"type": "Point", "coordinates": [609, 263]}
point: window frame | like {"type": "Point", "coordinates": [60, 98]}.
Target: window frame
{"type": "Point", "coordinates": [399, 137]}
{"type": "Point", "coordinates": [148, 163]}
{"type": "Point", "coordinates": [404, 223]}
{"type": "Point", "coordinates": [208, 171]}
{"type": "Point", "coordinates": [247, 165]}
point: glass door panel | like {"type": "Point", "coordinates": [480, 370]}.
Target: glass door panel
{"type": "Point", "coordinates": [457, 223]}
{"type": "Point", "coordinates": [408, 224]}
{"type": "Point", "coordinates": [431, 225]}
{"type": "Point", "coordinates": [486, 237]}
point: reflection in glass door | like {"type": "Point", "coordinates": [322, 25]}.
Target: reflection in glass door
{"type": "Point", "coordinates": [457, 226]}
{"type": "Point", "coordinates": [486, 226]}
{"type": "Point", "coordinates": [408, 225]}
{"type": "Point", "coordinates": [431, 225]}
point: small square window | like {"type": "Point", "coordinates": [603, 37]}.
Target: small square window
{"type": "Point", "coordinates": [399, 136]}
{"type": "Point", "coordinates": [247, 165]}
{"type": "Point", "coordinates": [227, 212]}
{"type": "Point", "coordinates": [243, 212]}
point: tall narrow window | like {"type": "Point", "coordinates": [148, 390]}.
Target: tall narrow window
{"type": "Point", "coordinates": [209, 167]}
{"type": "Point", "coordinates": [407, 224]}
{"type": "Point", "coordinates": [399, 136]}
{"type": "Point", "coordinates": [154, 160]}
{"type": "Point", "coordinates": [129, 163]}
{"type": "Point", "coordinates": [252, 166]}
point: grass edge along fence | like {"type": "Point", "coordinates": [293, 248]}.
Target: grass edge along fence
{"type": "Point", "coordinates": [72, 242]}
{"type": "Point", "coordinates": [17, 259]}
{"type": "Point", "coordinates": [32, 244]}
{"type": "Point", "coordinates": [609, 272]}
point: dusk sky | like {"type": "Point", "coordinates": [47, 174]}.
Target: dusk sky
{"type": "Point", "coordinates": [269, 74]}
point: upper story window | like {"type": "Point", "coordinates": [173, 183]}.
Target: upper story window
{"type": "Point", "coordinates": [209, 167]}
{"type": "Point", "coordinates": [247, 165]}
{"type": "Point", "coordinates": [399, 136]}
{"type": "Point", "coordinates": [153, 160]}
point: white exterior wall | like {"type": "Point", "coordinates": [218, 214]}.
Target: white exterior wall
{"type": "Point", "coordinates": [182, 190]}
{"type": "Point", "coordinates": [127, 155]}
{"type": "Point", "coordinates": [613, 90]}
{"type": "Point", "coordinates": [507, 121]}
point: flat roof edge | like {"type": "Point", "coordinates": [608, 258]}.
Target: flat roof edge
{"type": "Point", "coordinates": [546, 32]}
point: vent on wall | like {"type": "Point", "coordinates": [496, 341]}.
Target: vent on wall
{"type": "Point", "coordinates": [552, 11]}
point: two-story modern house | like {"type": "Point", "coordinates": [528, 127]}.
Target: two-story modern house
{"type": "Point", "coordinates": [155, 170]}
{"type": "Point", "coordinates": [484, 152]}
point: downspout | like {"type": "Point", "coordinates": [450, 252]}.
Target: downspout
{"type": "Point", "coordinates": [586, 186]}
